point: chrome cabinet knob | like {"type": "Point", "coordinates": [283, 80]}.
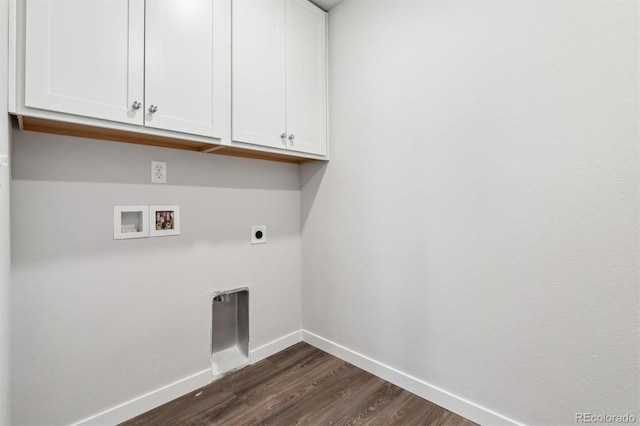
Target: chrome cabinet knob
{"type": "Point", "coordinates": [136, 105]}
{"type": "Point", "coordinates": [284, 138]}
{"type": "Point", "coordinates": [153, 108]}
{"type": "Point", "coordinates": [291, 137]}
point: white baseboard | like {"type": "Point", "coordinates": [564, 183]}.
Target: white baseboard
{"type": "Point", "coordinates": [150, 400]}
{"type": "Point", "coordinates": [275, 346]}
{"type": "Point", "coordinates": [146, 402]}
{"type": "Point", "coordinates": [441, 397]}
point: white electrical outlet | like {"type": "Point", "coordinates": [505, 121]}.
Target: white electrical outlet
{"type": "Point", "coordinates": [259, 234]}
{"type": "Point", "coordinates": [158, 172]}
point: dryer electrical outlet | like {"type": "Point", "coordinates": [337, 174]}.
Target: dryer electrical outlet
{"type": "Point", "coordinates": [259, 234]}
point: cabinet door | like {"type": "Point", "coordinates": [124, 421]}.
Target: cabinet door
{"type": "Point", "coordinates": [85, 57]}
{"type": "Point", "coordinates": [184, 65]}
{"type": "Point", "coordinates": [306, 77]}
{"type": "Point", "coordinates": [258, 55]}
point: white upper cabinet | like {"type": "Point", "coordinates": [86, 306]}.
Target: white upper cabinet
{"type": "Point", "coordinates": [279, 75]}
{"type": "Point", "coordinates": [185, 66]}
{"type": "Point", "coordinates": [306, 78]}
{"type": "Point", "coordinates": [85, 57]}
{"type": "Point", "coordinates": [258, 72]}
{"type": "Point", "coordinates": [235, 77]}
{"type": "Point", "coordinates": [157, 63]}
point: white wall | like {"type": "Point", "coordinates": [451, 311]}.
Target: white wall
{"type": "Point", "coordinates": [477, 226]}
{"type": "Point", "coordinates": [97, 322]}
{"type": "Point", "coordinates": [5, 251]}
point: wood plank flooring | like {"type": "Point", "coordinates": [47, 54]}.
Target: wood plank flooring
{"type": "Point", "coordinates": [301, 385]}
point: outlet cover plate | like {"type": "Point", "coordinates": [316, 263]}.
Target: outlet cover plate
{"type": "Point", "coordinates": [255, 230]}
{"type": "Point", "coordinates": [158, 172]}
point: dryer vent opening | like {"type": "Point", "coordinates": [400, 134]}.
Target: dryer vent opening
{"type": "Point", "coordinates": [229, 331]}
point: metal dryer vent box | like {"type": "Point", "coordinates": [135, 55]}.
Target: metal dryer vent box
{"type": "Point", "coordinates": [229, 331]}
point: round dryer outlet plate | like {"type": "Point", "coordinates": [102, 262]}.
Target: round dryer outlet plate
{"type": "Point", "coordinates": [258, 234]}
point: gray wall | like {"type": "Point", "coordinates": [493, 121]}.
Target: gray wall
{"type": "Point", "coordinates": [97, 322]}
{"type": "Point", "coordinates": [5, 251]}
{"type": "Point", "coordinates": [477, 226]}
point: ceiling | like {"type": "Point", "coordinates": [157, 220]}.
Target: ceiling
{"type": "Point", "coordinates": [326, 4]}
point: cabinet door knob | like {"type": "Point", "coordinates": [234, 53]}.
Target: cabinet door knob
{"type": "Point", "coordinates": [291, 137]}
{"type": "Point", "coordinates": [284, 138]}
{"type": "Point", "coordinates": [136, 105]}
{"type": "Point", "coordinates": [153, 108]}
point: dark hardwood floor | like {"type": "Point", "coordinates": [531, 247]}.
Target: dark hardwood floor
{"type": "Point", "coordinates": [301, 385]}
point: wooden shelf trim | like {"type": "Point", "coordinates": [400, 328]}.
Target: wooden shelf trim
{"type": "Point", "coordinates": [114, 135]}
